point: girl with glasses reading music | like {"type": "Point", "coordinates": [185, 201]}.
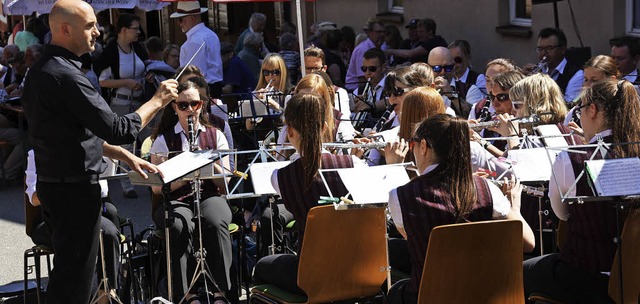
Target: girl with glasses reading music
{"type": "Point", "coordinates": [579, 273]}
{"type": "Point", "coordinates": [170, 138]}
{"type": "Point", "coordinates": [446, 192]}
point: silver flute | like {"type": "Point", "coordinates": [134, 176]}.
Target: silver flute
{"type": "Point", "coordinates": [533, 191]}
{"type": "Point", "coordinates": [351, 145]}
{"type": "Point", "coordinates": [484, 125]}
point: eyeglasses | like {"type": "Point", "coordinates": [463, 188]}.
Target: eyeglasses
{"type": "Point", "coordinates": [184, 105]}
{"type": "Point", "coordinates": [502, 97]}
{"type": "Point", "coordinates": [137, 28]}
{"type": "Point", "coordinates": [578, 110]}
{"type": "Point", "coordinates": [397, 92]}
{"type": "Point", "coordinates": [438, 68]}
{"type": "Point", "coordinates": [371, 69]}
{"type": "Point", "coordinates": [312, 69]}
{"type": "Point", "coordinates": [458, 60]}
{"type": "Point", "coordinates": [275, 72]}
{"type": "Point", "coordinates": [517, 104]}
{"type": "Point", "coordinates": [541, 49]}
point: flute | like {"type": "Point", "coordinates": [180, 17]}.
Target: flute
{"type": "Point", "coordinates": [484, 125]}
{"type": "Point", "coordinates": [351, 145]}
{"type": "Point", "coordinates": [533, 191]}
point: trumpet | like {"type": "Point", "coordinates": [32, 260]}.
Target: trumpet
{"type": "Point", "coordinates": [351, 145]}
{"type": "Point", "coordinates": [541, 66]}
{"type": "Point", "coordinates": [533, 191]}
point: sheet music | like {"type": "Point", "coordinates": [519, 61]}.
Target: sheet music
{"type": "Point", "coordinates": [532, 165]}
{"type": "Point", "coordinates": [615, 177]}
{"type": "Point", "coordinates": [369, 185]}
{"type": "Point", "coordinates": [174, 168]}
{"type": "Point", "coordinates": [552, 130]}
{"type": "Point", "coordinates": [261, 176]}
{"type": "Point", "coordinates": [260, 107]}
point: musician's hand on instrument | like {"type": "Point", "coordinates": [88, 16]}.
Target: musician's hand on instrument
{"type": "Point", "coordinates": [274, 105]}
{"type": "Point", "coordinates": [512, 189]}
{"type": "Point", "coordinates": [167, 91]}
{"type": "Point", "coordinates": [575, 128]}
{"type": "Point", "coordinates": [442, 85]}
{"type": "Point", "coordinates": [507, 127]}
{"type": "Point", "coordinates": [395, 152]}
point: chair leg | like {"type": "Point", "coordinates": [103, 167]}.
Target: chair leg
{"type": "Point", "coordinates": [26, 275]}
{"type": "Point", "coordinates": [36, 258]}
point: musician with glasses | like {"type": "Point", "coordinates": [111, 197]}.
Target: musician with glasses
{"type": "Point", "coordinates": [314, 62]}
{"type": "Point", "coordinates": [172, 136]}
{"type": "Point", "coordinates": [464, 75]}
{"type": "Point", "coordinates": [579, 273]}
{"type": "Point", "coordinates": [483, 110]}
{"type": "Point", "coordinates": [446, 192]}
{"type": "Point", "coordinates": [441, 60]}
{"type": "Point", "coordinates": [368, 97]}
{"type": "Point", "coordinates": [551, 48]}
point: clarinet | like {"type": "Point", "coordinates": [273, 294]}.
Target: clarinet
{"type": "Point", "coordinates": [485, 115]}
{"type": "Point", "coordinates": [384, 119]}
{"type": "Point", "coordinates": [193, 145]}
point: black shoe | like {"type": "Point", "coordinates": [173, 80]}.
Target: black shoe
{"type": "Point", "coordinates": [130, 194]}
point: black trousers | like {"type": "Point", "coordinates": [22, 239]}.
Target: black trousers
{"type": "Point", "coordinates": [216, 239]}
{"type": "Point", "coordinates": [280, 270]}
{"type": "Point", "coordinates": [74, 222]}
{"type": "Point", "coordinates": [281, 216]}
{"type": "Point", "coordinates": [553, 277]}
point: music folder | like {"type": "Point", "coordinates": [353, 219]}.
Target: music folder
{"type": "Point", "coordinates": [174, 168]}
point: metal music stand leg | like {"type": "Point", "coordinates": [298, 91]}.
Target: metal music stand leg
{"type": "Point", "coordinates": [105, 281]}
{"type": "Point", "coordinates": [540, 212]}
{"type": "Point", "coordinates": [202, 269]}
{"type": "Point", "coordinates": [168, 221]}
{"type": "Point", "coordinates": [272, 248]}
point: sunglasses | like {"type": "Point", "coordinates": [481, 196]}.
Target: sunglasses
{"type": "Point", "coordinates": [397, 92]}
{"type": "Point", "coordinates": [517, 104]}
{"type": "Point", "coordinates": [371, 69]}
{"type": "Point", "coordinates": [458, 60]}
{"type": "Point", "coordinates": [578, 111]}
{"type": "Point", "coordinates": [184, 105]}
{"type": "Point", "coordinates": [438, 68]}
{"type": "Point", "coordinates": [275, 72]}
{"type": "Point", "coordinates": [502, 97]}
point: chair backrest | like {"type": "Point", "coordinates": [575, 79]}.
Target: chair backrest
{"type": "Point", "coordinates": [630, 262]}
{"type": "Point", "coordinates": [477, 262]}
{"type": "Point", "coordinates": [344, 254]}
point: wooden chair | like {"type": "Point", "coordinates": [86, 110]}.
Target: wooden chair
{"type": "Point", "coordinates": [630, 266]}
{"type": "Point", "coordinates": [343, 256]}
{"type": "Point", "coordinates": [477, 262]}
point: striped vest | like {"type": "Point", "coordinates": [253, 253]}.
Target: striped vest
{"type": "Point", "coordinates": [299, 200]}
{"type": "Point", "coordinates": [591, 225]}
{"type": "Point", "coordinates": [206, 142]}
{"type": "Point", "coordinates": [425, 203]}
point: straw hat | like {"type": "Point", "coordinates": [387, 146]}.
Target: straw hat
{"type": "Point", "coordinates": [186, 8]}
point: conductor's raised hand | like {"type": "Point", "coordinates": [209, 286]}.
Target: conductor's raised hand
{"type": "Point", "coordinates": [167, 91]}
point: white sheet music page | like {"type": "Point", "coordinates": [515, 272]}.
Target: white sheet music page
{"type": "Point", "coordinates": [532, 165]}
{"type": "Point", "coordinates": [615, 177]}
{"type": "Point", "coordinates": [370, 185]}
{"type": "Point", "coordinates": [173, 168]}
{"type": "Point", "coordinates": [552, 130]}
{"type": "Point", "coordinates": [261, 176]}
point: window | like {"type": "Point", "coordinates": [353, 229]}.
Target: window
{"type": "Point", "coordinates": [396, 6]}
{"type": "Point", "coordinates": [633, 17]}
{"type": "Point", "coordinates": [520, 12]}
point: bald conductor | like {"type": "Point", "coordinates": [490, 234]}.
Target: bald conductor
{"type": "Point", "coordinates": [71, 127]}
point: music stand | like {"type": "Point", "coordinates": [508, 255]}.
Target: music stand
{"type": "Point", "coordinates": [105, 281]}
{"type": "Point", "coordinates": [370, 193]}
{"type": "Point", "coordinates": [172, 170]}
{"type": "Point", "coordinates": [599, 175]}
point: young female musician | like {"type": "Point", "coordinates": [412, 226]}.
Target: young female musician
{"type": "Point", "coordinates": [171, 136]}
{"type": "Point", "coordinates": [608, 110]}
{"type": "Point", "coordinates": [299, 184]}
{"type": "Point", "coordinates": [537, 95]}
{"type": "Point", "coordinates": [446, 192]}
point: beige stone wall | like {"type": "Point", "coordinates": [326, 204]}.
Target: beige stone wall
{"type": "Point", "coordinates": [476, 21]}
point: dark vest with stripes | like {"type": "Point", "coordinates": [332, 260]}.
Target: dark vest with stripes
{"type": "Point", "coordinates": [472, 77]}
{"type": "Point", "coordinates": [592, 225]}
{"type": "Point", "coordinates": [570, 69]}
{"type": "Point", "coordinates": [299, 200]}
{"type": "Point", "coordinates": [337, 116]}
{"type": "Point", "coordinates": [426, 203]}
{"type": "Point", "coordinates": [207, 141]}
{"type": "Point", "coordinates": [217, 122]}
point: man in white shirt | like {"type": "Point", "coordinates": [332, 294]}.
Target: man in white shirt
{"type": "Point", "coordinates": [626, 51]}
{"type": "Point", "coordinates": [552, 44]}
{"type": "Point", "coordinates": [208, 59]}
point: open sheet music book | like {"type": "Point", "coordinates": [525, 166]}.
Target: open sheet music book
{"type": "Point", "coordinates": [174, 168]}
{"type": "Point", "coordinates": [532, 165]}
{"type": "Point", "coordinates": [615, 177]}
{"type": "Point", "coordinates": [371, 185]}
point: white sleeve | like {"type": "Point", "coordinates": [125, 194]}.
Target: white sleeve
{"type": "Point", "coordinates": [450, 111]}
{"type": "Point", "coordinates": [574, 87]}
{"type": "Point", "coordinates": [30, 176]}
{"type": "Point", "coordinates": [474, 95]}
{"type": "Point", "coordinates": [188, 49]}
{"type": "Point", "coordinates": [472, 114]}
{"type": "Point", "coordinates": [358, 163]}
{"type": "Point", "coordinates": [222, 144]}
{"type": "Point", "coordinates": [394, 209]}
{"type": "Point", "coordinates": [159, 146]}
{"type": "Point", "coordinates": [105, 74]}
{"type": "Point", "coordinates": [561, 179]}
{"type": "Point", "coordinates": [501, 205]}
{"type": "Point", "coordinates": [346, 130]}
{"type": "Point", "coordinates": [342, 102]}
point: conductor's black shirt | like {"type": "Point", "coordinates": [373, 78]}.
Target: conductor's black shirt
{"type": "Point", "coordinates": [68, 119]}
